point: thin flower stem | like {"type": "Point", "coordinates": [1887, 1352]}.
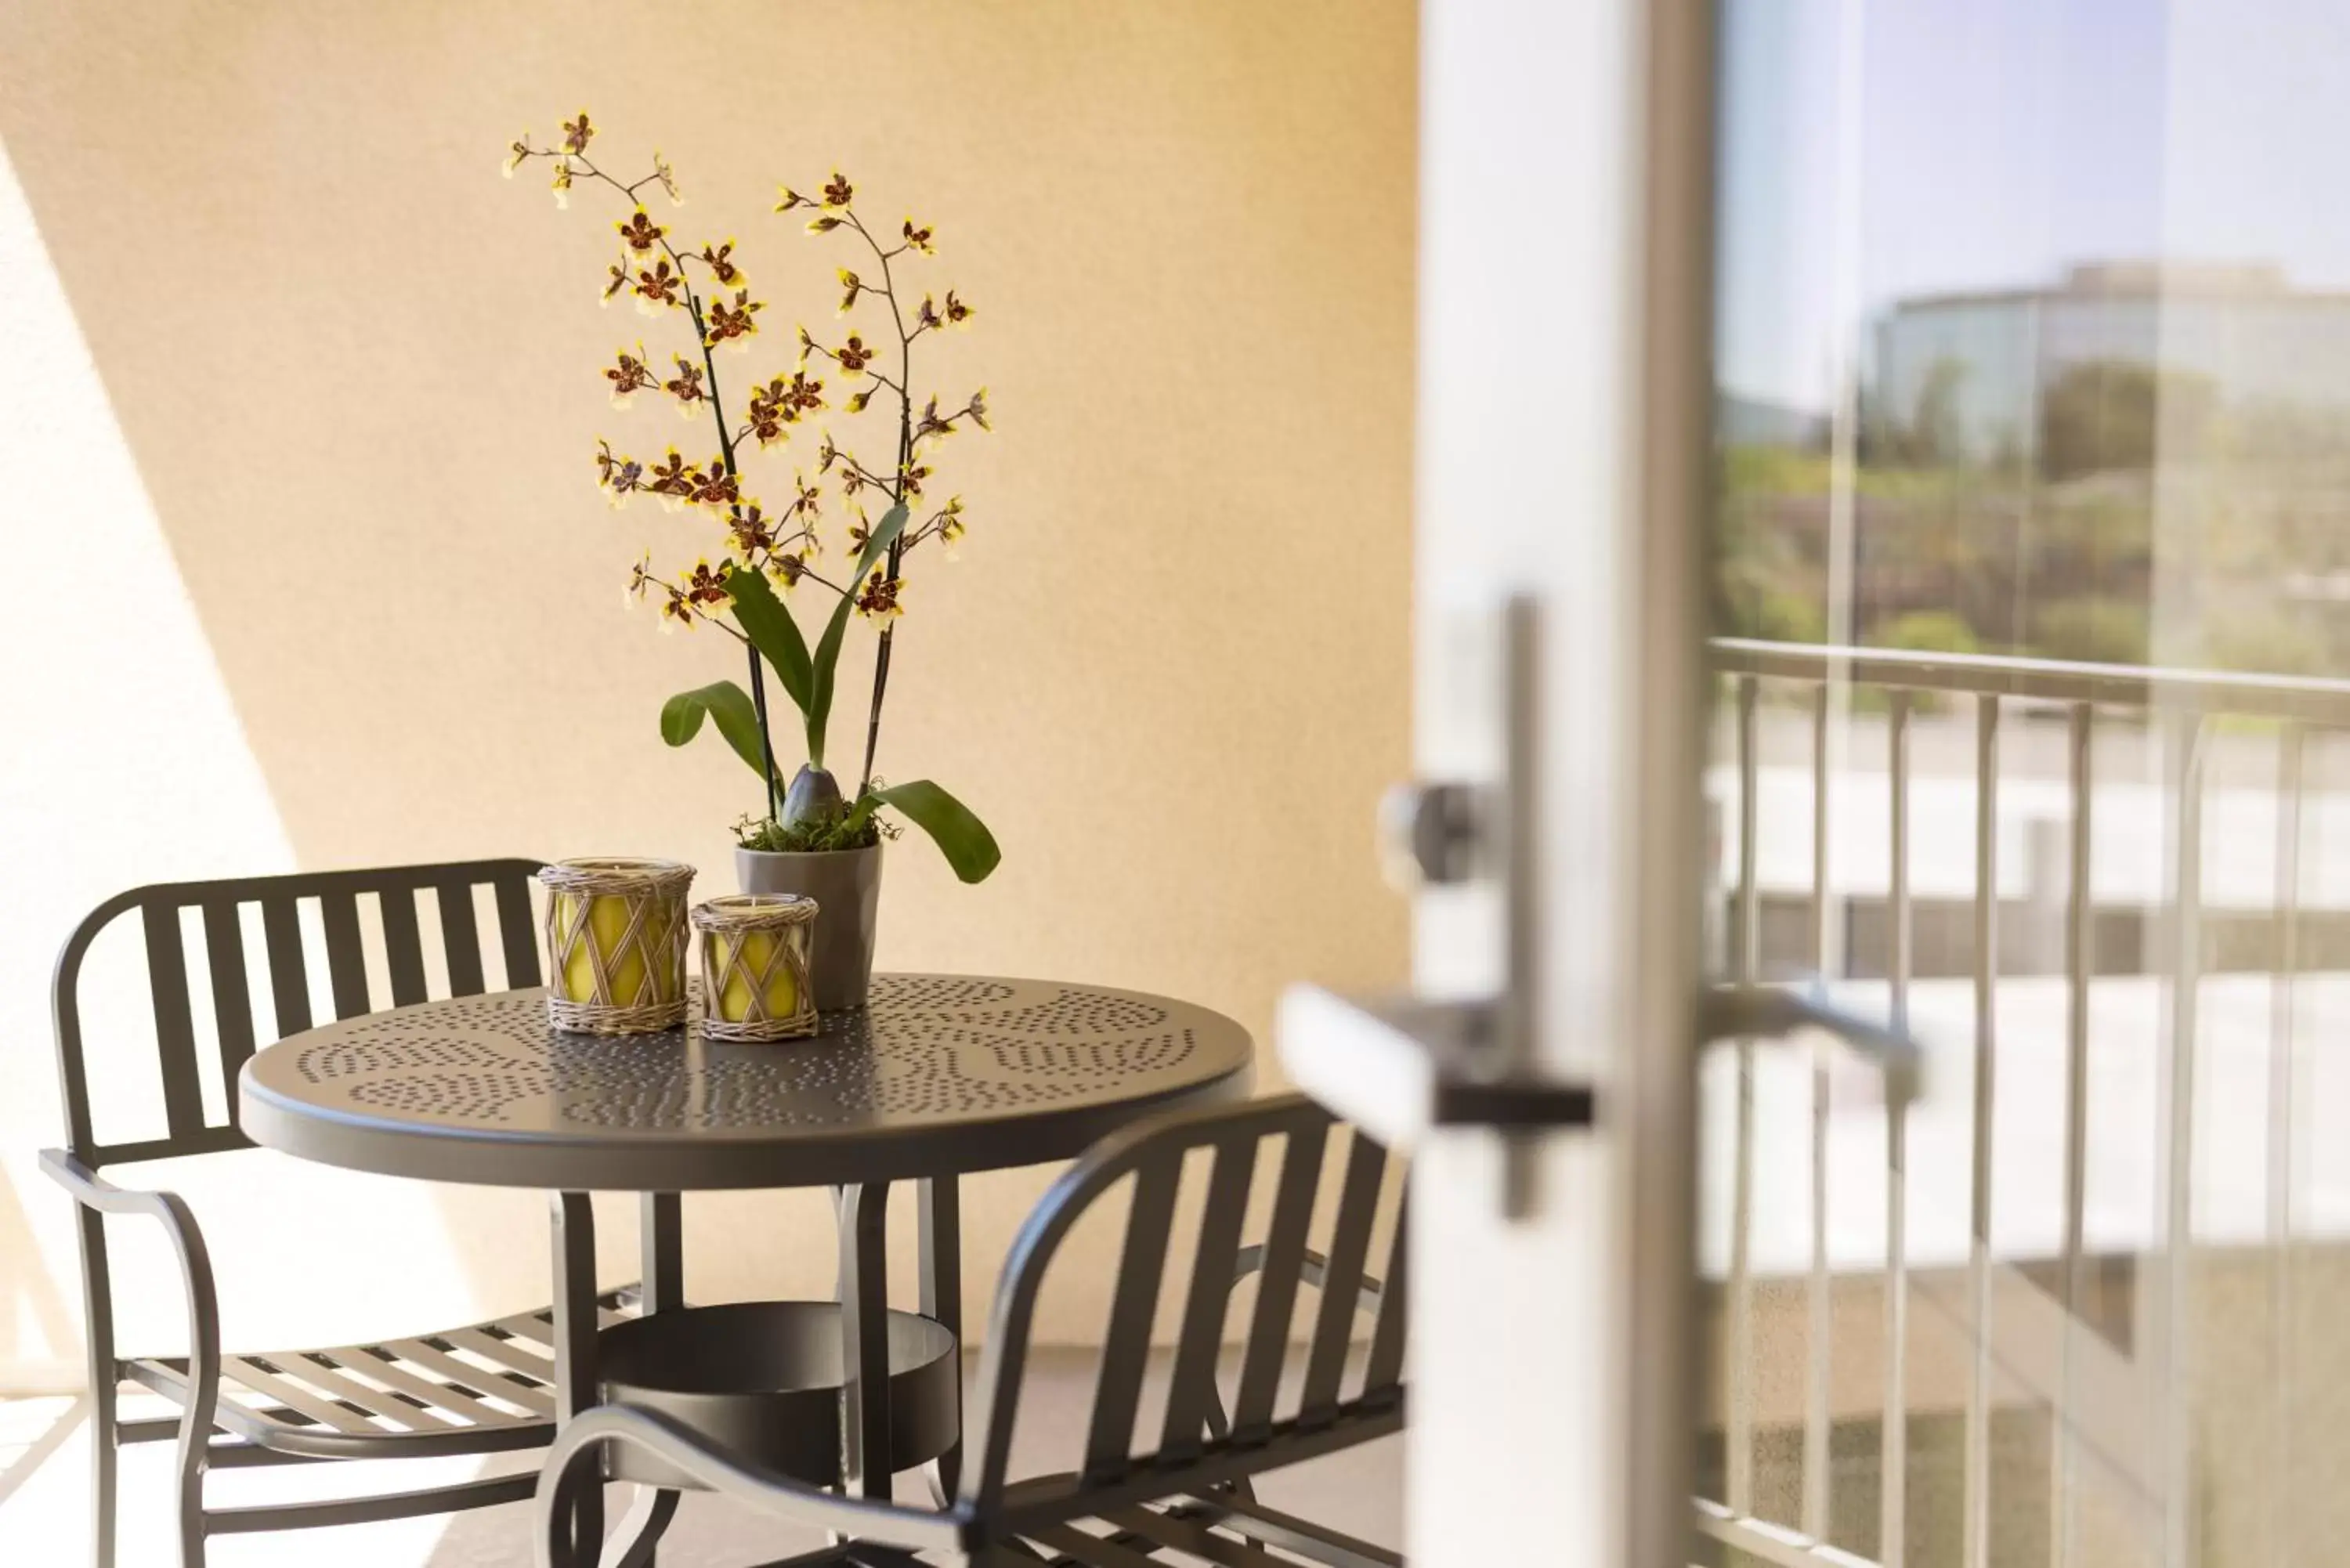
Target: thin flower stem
{"type": "Point", "coordinates": [903, 388]}
{"type": "Point", "coordinates": [871, 478]}
{"type": "Point", "coordinates": [889, 284]}
{"type": "Point", "coordinates": [722, 626]}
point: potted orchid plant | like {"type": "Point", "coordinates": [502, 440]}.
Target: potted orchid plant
{"type": "Point", "coordinates": [816, 838]}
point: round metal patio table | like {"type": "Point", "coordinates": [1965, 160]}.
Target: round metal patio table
{"type": "Point", "coordinates": [941, 1075]}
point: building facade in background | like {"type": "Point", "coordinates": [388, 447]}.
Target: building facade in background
{"type": "Point", "coordinates": [2006, 374]}
{"type": "Point", "coordinates": [2056, 472]}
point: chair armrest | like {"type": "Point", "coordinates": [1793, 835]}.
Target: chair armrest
{"type": "Point", "coordinates": [571, 1465]}
{"type": "Point", "coordinates": [169, 1210]}
{"type": "Point", "coordinates": [99, 1193]}
{"type": "Point", "coordinates": [1312, 1272]}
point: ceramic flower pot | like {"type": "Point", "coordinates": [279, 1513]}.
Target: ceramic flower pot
{"type": "Point", "coordinates": [847, 887]}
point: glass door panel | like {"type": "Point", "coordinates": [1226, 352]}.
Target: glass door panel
{"type": "Point", "coordinates": [2033, 616]}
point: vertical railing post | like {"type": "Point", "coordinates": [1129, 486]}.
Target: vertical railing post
{"type": "Point", "coordinates": [2284, 1076]}
{"type": "Point", "coordinates": [2078, 939]}
{"type": "Point", "coordinates": [1747, 962]}
{"type": "Point", "coordinates": [1894, 1437]}
{"type": "Point", "coordinates": [1819, 1364]}
{"type": "Point", "coordinates": [2181, 1503]}
{"type": "Point", "coordinates": [1975, 1521]}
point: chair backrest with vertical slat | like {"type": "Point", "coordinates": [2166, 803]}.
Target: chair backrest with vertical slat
{"type": "Point", "coordinates": [228, 975]}
{"type": "Point", "coordinates": [1283, 1144]}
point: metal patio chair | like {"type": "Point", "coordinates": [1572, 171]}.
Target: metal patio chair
{"type": "Point", "coordinates": [1189, 1490]}
{"type": "Point", "coordinates": [478, 1389]}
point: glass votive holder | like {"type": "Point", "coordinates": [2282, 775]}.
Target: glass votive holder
{"type": "Point", "coordinates": [755, 966]}
{"type": "Point", "coordinates": [615, 944]}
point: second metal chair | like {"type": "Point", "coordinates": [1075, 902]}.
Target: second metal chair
{"type": "Point", "coordinates": [1186, 1487]}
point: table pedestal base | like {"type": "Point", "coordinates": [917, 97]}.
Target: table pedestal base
{"type": "Point", "coordinates": [765, 1380]}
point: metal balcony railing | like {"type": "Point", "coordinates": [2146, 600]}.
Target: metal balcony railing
{"type": "Point", "coordinates": [2129, 1412]}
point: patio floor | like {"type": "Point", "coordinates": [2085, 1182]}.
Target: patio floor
{"type": "Point", "coordinates": [46, 1518]}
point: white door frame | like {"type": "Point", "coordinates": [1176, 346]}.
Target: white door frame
{"type": "Point", "coordinates": [1565, 411]}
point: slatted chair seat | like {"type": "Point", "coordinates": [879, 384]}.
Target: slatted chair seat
{"type": "Point", "coordinates": [1180, 1491]}
{"type": "Point", "coordinates": [1215, 1528]}
{"type": "Point", "coordinates": [485, 1387]}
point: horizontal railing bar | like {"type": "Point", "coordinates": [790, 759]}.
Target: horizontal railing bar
{"type": "Point", "coordinates": [2126, 937]}
{"type": "Point", "coordinates": [2116, 685]}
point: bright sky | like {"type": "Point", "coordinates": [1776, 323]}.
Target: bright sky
{"type": "Point", "coordinates": [2003, 139]}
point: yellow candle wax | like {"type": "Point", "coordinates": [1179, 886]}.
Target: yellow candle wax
{"type": "Point", "coordinates": [608, 922]}
{"type": "Point", "coordinates": [755, 951]}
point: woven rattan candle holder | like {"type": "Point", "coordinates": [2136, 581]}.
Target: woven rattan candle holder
{"type": "Point", "coordinates": [615, 944]}
{"type": "Point", "coordinates": [755, 966]}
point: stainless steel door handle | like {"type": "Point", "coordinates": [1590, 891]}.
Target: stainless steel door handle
{"type": "Point", "coordinates": [1403, 1066]}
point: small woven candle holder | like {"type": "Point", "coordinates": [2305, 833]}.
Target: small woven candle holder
{"type": "Point", "coordinates": [615, 944]}
{"type": "Point", "coordinates": [755, 966]}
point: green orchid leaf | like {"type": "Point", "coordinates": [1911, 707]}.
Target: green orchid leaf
{"type": "Point", "coordinates": [860, 812]}
{"type": "Point", "coordinates": [961, 837]}
{"type": "Point", "coordinates": [729, 707]}
{"type": "Point", "coordinates": [767, 622]}
{"type": "Point", "coordinates": [828, 661]}
{"type": "Point", "coordinates": [818, 707]}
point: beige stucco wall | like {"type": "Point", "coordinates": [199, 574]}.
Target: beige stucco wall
{"type": "Point", "coordinates": [357, 375]}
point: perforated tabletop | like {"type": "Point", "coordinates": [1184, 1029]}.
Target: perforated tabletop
{"type": "Point", "coordinates": [940, 1074]}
